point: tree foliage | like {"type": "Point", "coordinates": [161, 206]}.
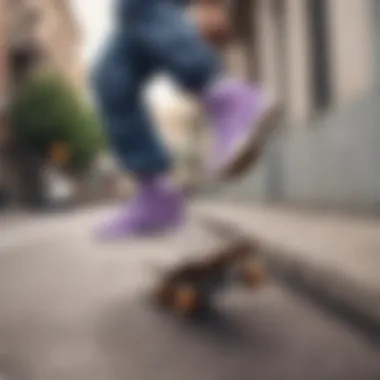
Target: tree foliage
{"type": "Point", "coordinates": [47, 110]}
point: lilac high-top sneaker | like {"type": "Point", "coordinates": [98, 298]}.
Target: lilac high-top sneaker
{"type": "Point", "coordinates": [157, 206]}
{"type": "Point", "coordinates": [241, 118]}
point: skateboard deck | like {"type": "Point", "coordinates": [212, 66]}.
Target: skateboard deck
{"type": "Point", "coordinates": [190, 285]}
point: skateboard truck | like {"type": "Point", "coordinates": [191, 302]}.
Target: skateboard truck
{"type": "Point", "coordinates": [191, 285]}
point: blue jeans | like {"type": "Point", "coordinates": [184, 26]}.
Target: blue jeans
{"type": "Point", "coordinates": [150, 36]}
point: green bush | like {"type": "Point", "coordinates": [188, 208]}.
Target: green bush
{"type": "Point", "coordinates": [47, 111]}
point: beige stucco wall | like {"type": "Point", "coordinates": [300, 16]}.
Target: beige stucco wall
{"type": "Point", "coordinates": [267, 52]}
{"type": "Point", "coordinates": [297, 64]}
{"type": "Point", "coordinates": [351, 44]}
{"type": "Point", "coordinates": [54, 31]}
{"type": "Point", "coordinates": [3, 93]}
{"type": "Point", "coordinates": [351, 56]}
{"type": "Point", "coordinates": [2, 53]}
{"type": "Point", "coordinates": [58, 35]}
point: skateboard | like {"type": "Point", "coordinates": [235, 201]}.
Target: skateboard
{"type": "Point", "coordinates": [190, 286]}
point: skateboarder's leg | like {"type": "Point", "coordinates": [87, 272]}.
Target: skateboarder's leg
{"type": "Point", "coordinates": [117, 80]}
{"type": "Point", "coordinates": [154, 35]}
{"type": "Point", "coordinates": [239, 112]}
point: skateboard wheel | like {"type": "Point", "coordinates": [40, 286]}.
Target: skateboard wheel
{"type": "Point", "coordinates": [254, 275]}
{"type": "Point", "coordinates": [186, 300]}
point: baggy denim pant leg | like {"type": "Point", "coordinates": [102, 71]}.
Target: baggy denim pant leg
{"type": "Point", "coordinates": [151, 36]}
{"type": "Point", "coordinates": [117, 82]}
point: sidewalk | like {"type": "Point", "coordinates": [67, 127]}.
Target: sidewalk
{"type": "Point", "coordinates": [72, 307]}
{"type": "Point", "coordinates": [338, 257]}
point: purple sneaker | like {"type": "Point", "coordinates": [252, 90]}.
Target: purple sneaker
{"type": "Point", "coordinates": [158, 206]}
{"type": "Point", "coordinates": [241, 118]}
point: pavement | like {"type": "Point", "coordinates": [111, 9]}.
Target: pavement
{"type": "Point", "coordinates": [334, 255]}
{"type": "Point", "coordinates": [74, 308]}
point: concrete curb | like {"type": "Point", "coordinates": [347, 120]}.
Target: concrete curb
{"type": "Point", "coordinates": [334, 290]}
{"type": "Point", "coordinates": [344, 294]}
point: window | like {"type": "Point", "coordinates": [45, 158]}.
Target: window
{"type": "Point", "coordinates": [319, 51]}
{"type": "Point", "coordinates": [21, 62]}
{"type": "Point", "coordinates": [244, 20]}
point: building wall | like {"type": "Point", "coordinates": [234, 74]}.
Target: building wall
{"type": "Point", "coordinates": [350, 53]}
{"type": "Point", "coordinates": [3, 75]}
{"type": "Point", "coordinates": [58, 33]}
{"type": "Point", "coordinates": [268, 56]}
{"type": "Point", "coordinates": [50, 26]}
{"type": "Point", "coordinates": [297, 62]}
{"type": "Point", "coordinates": [2, 53]}
{"type": "Point", "coordinates": [329, 159]}
{"type": "Point", "coordinates": [335, 161]}
{"type": "Point", "coordinates": [351, 48]}
{"type": "Point", "coordinates": [3, 103]}
{"type": "Point", "coordinates": [332, 163]}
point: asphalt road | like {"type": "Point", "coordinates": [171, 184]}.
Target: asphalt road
{"type": "Point", "coordinates": [71, 308]}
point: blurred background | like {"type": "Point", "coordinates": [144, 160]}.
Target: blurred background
{"type": "Point", "coordinates": [320, 57]}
